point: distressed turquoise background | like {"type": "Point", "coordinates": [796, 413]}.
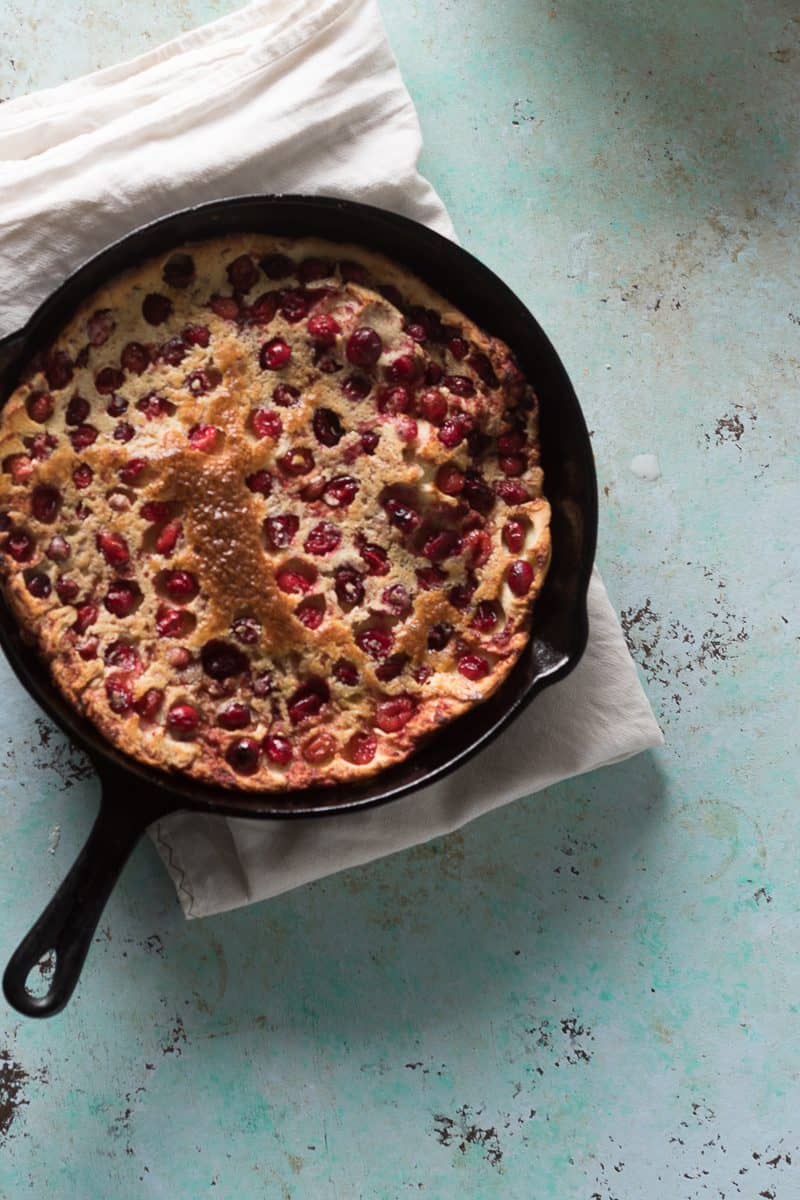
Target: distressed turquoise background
{"type": "Point", "coordinates": [594, 993]}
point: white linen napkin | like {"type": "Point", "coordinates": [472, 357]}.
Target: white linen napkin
{"type": "Point", "coordinates": [281, 96]}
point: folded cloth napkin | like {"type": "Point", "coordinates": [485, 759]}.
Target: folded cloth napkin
{"type": "Point", "coordinates": [281, 96]}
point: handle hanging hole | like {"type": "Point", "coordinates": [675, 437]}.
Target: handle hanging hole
{"type": "Point", "coordinates": [40, 976]}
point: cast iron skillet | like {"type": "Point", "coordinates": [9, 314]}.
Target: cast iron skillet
{"type": "Point", "coordinates": [134, 795]}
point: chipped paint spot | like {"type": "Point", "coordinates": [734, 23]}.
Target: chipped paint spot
{"type": "Point", "coordinates": [646, 466]}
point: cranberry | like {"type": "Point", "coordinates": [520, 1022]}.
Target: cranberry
{"type": "Point", "coordinates": [45, 503]}
{"type": "Point", "coordinates": [483, 369]}
{"type": "Point", "coordinates": [178, 270]}
{"type": "Point", "coordinates": [429, 578]}
{"type": "Point", "coordinates": [221, 659]}
{"type": "Point", "coordinates": [461, 595]}
{"type": "Point", "coordinates": [486, 617]}
{"type": "Point", "coordinates": [260, 482]}
{"type": "Point", "coordinates": [402, 516]}
{"type": "Point", "coordinates": [433, 374]}
{"type": "Point", "coordinates": [278, 749]}
{"type": "Point", "coordinates": [458, 347]}
{"type": "Point", "coordinates": [432, 405]}
{"type": "Point", "coordinates": [459, 385]}
{"type": "Point", "coordinates": [514, 535]}
{"type": "Point", "coordinates": [369, 441]}
{"type": "Point", "coordinates": [122, 597]}
{"type": "Point", "coordinates": [473, 667]}
{"type": "Point", "coordinates": [19, 466]}
{"type": "Point", "coordinates": [77, 410]}
{"type": "Point", "coordinates": [119, 693]}
{"type": "Point", "coordinates": [353, 272]}
{"type": "Point", "coordinates": [173, 351]}
{"type": "Point", "coordinates": [391, 667]}
{"type": "Point", "coordinates": [327, 427]}
{"type": "Point", "coordinates": [88, 648]}
{"type": "Point", "coordinates": [168, 537]}
{"type": "Point", "coordinates": [135, 357]}
{"type": "Point", "coordinates": [156, 308]}
{"type": "Point", "coordinates": [114, 548]}
{"type": "Point", "coordinates": [83, 436]}
{"type": "Point", "coordinates": [274, 354]}
{"type": "Point", "coordinates": [298, 461]}
{"type": "Point", "coordinates": [345, 672]}
{"type": "Point", "coordinates": [311, 612]}
{"type": "Point", "coordinates": [311, 269]}
{"type": "Point", "coordinates": [402, 369]}
{"type": "Point", "coordinates": [450, 480]}
{"type": "Point", "coordinates": [349, 586]}
{"type": "Point", "coordinates": [519, 577]}
{"type": "Point", "coordinates": [285, 395]}
{"type": "Point", "coordinates": [20, 545]}
{"type": "Point", "coordinates": [295, 582]}
{"type": "Point", "coordinates": [307, 700]}
{"type": "Point", "coordinates": [263, 309]}
{"type": "Point", "coordinates": [108, 380]}
{"type": "Point", "coordinates": [234, 716]}
{"type": "Point", "coordinates": [340, 492]}
{"type": "Point", "coordinates": [39, 406]}
{"type": "Point", "coordinates": [267, 423]}
{"type": "Point", "coordinates": [421, 674]}
{"type": "Point", "coordinates": [123, 655]}
{"type": "Point", "coordinates": [82, 476]}
{"type": "Point", "coordinates": [123, 432]}
{"type": "Point", "coordinates": [41, 445]}
{"type": "Point", "coordinates": [511, 491]}
{"type": "Point", "coordinates": [356, 387]}
{"type": "Point", "coordinates": [440, 546]}
{"type": "Point", "coordinates": [100, 326]}
{"type": "Point", "coordinates": [178, 657]}
{"type": "Point", "coordinates": [511, 443]}
{"type": "Point", "coordinates": [397, 599]}
{"type": "Point", "coordinates": [196, 335]}
{"type": "Point", "coordinates": [116, 406]}
{"type": "Point", "coordinates": [375, 557]}
{"type": "Point", "coordinates": [85, 615]}
{"type": "Point", "coordinates": [201, 382]}
{"type": "Point", "coordinates": [149, 703]}
{"type": "Point", "coordinates": [324, 538]}
{"type": "Point", "coordinates": [67, 591]}
{"type": "Point", "coordinates": [323, 329]}
{"type": "Point", "coordinates": [454, 429]}
{"type": "Point", "coordinates": [58, 549]}
{"type": "Point", "coordinates": [246, 630]}
{"type": "Point", "coordinates": [181, 585]}
{"type": "Point", "coordinates": [393, 400]}
{"type": "Point", "coordinates": [294, 306]}
{"type": "Point", "coordinates": [280, 531]}
{"type": "Point", "coordinates": [277, 266]}
{"type": "Point", "coordinates": [477, 545]}
{"type": "Point", "coordinates": [225, 307]}
{"type": "Point", "coordinates": [154, 406]}
{"type": "Point", "coordinates": [38, 584]}
{"type": "Point", "coordinates": [512, 464]}
{"type": "Point", "coordinates": [319, 749]}
{"type": "Point", "coordinates": [477, 493]}
{"type": "Point", "coordinates": [155, 510]}
{"type": "Point", "coordinates": [183, 718]}
{"type": "Point", "coordinates": [242, 756]}
{"type": "Point", "coordinates": [364, 347]}
{"type": "Point", "coordinates": [361, 748]}
{"type": "Point", "coordinates": [439, 635]}
{"type": "Point", "coordinates": [204, 437]}
{"type": "Point", "coordinates": [375, 642]}
{"type": "Point", "coordinates": [416, 331]}
{"type": "Point", "coordinates": [58, 369]}
{"type": "Point", "coordinates": [392, 715]}
{"type": "Point", "coordinates": [242, 273]}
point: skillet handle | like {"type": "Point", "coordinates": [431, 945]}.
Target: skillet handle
{"type": "Point", "coordinates": [67, 925]}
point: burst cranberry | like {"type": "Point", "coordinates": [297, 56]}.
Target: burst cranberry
{"type": "Point", "coordinates": [459, 348]}
{"type": "Point", "coordinates": [477, 547]}
{"type": "Point", "coordinates": [116, 406]}
{"type": "Point", "coordinates": [135, 357]}
{"type": "Point", "coordinates": [514, 535]}
{"type": "Point", "coordinates": [429, 578]}
{"type": "Point", "coordinates": [361, 748]}
{"type": "Point", "coordinates": [246, 630]}
{"type": "Point", "coordinates": [407, 429]}
{"type": "Point", "coordinates": [295, 582]}
{"type": "Point", "coordinates": [267, 423]}
{"type": "Point", "coordinates": [183, 718]}
{"type": "Point", "coordinates": [391, 667]}
{"type": "Point", "coordinates": [67, 591]}
{"type": "Point", "coordinates": [402, 516]}
{"type": "Point", "coordinates": [310, 612]}
{"type": "Point", "coordinates": [392, 715]}
{"type": "Point", "coordinates": [41, 445]}
{"type": "Point", "coordinates": [280, 531]}
{"type": "Point", "coordinates": [154, 406]}
{"type": "Point", "coordinates": [196, 335]}
{"type": "Point", "coordinates": [156, 308]}
{"type": "Point", "coordinates": [263, 309]}
{"type": "Point", "coordinates": [114, 548]}
{"type": "Point", "coordinates": [119, 693]}
{"type": "Point", "coordinates": [222, 659]}
{"type": "Point", "coordinates": [285, 395]}
{"type": "Point", "coordinates": [307, 700]}
{"type": "Point", "coordinates": [242, 273]}
{"type": "Point", "coordinates": [242, 756]}
{"type": "Point", "coordinates": [377, 643]}
{"type": "Point", "coordinates": [38, 584]}
{"type": "Point", "coordinates": [201, 382]}
{"type": "Point", "coordinates": [123, 432]}
{"type": "Point", "coordinates": [349, 586]}
{"type": "Point", "coordinates": [88, 648]}
{"type": "Point", "coordinates": [461, 595]}
{"type": "Point", "coordinates": [45, 503]}
{"type": "Point", "coordinates": [274, 355]}
{"type": "Point", "coordinates": [356, 387]}
{"type": "Point", "coordinates": [345, 672]}
{"type": "Point", "coordinates": [234, 716]}
{"type": "Point", "coordinates": [477, 493]}
{"type": "Point", "coordinates": [85, 616]}
{"type": "Point", "coordinates": [19, 466]}
{"type": "Point", "coordinates": [108, 380]}
{"type": "Point", "coordinates": [421, 674]}
{"type": "Point", "coordinates": [181, 585]}
{"type": "Point", "coordinates": [83, 436]}
{"type": "Point", "coordinates": [204, 437]}
{"type": "Point", "coordinates": [327, 427]}
{"type": "Point", "coordinates": [485, 618]}
{"type": "Point", "coordinates": [39, 406]}
{"type": "Point", "coordinates": [173, 351]}
{"type": "Point", "coordinates": [58, 369]}
{"type": "Point", "coordinates": [375, 557]}
{"type": "Point", "coordinates": [277, 266]}
{"type": "Point", "coordinates": [82, 476]}
{"type": "Point", "coordinates": [393, 400]}
{"type": "Point", "coordinates": [294, 306]}
{"type": "Point", "coordinates": [20, 545]}
{"type": "Point", "coordinates": [512, 465]}
{"type": "Point", "coordinates": [369, 441]}
{"type": "Point", "coordinates": [123, 655]}
{"type": "Point", "coordinates": [155, 510]}
{"type": "Point", "coordinates": [178, 270]}
{"type": "Point", "coordinates": [78, 410]}
{"type": "Point", "coordinates": [149, 703]}
{"type": "Point", "coordinates": [450, 480]}
{"type": "Point", "coordinates": [364, 347]}
{"type": "Point", "coordinates": [260, 482]}
{"type": "Point", "coordinates": [298, 461]}
{"type": "Point", "coordinates": [439, 635]}
{"type": "Point", "coordinates": [100, 326]}
{"type": "Point", "coordinates": [417, 332]}
{"type": "Point", "coordinates": [511, 491]}
{"type": "Point", "coordinates": [58, 549]}
{"type": "Point", "coordinates": [122, 597]}
{"type": "Point", "coordinates": [319, 749]}
{"type": "Point", "coordinates": [473, 667]}
{"type": "Point", "coordinates": [278, 749]}
{"type": "Point", "coordinates": [441, 545]}
{"type": "Point", "coordinates": [168, 537]}
{"type": "Point", "coordinates": [324, 538]}
{"type": "Point", "coordinates": [323, 328]}
{"type": "Point", "coordinates": [397, 599]}
{"type": "Point", "coordinates": [172, 622]}
{"type": "Point", "coordinates": [340, 491]}
{"type": "Point", "coordinates": [225, 307]}
{"type": "Point", "coordinates": [519, 577]}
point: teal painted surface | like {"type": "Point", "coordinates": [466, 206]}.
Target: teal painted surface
{"type": "Point", "coordinates": [595, 992]}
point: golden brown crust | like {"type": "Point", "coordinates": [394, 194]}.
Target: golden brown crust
{"type": "Point", "coordinates": [395, 558]}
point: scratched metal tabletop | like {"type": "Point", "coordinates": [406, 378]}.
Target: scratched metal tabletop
{"type": "Point", "coordinates": [595, 992]}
